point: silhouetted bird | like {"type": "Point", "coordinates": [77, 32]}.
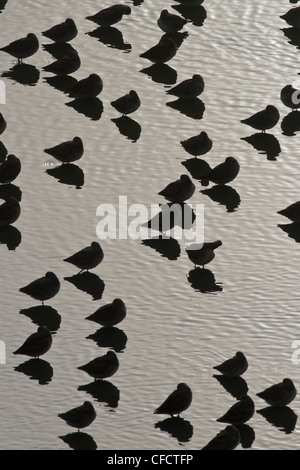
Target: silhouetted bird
{"type": "Point", "coordinates": [164, 51]}
{"type": "Point", "coordinates": [203, 255]}
{"type": "Point", "coordinates": [62, 32]}
{"type": "Point", "coordinates": [65, 65]}
{"type": "Point", "coordinates": [227, 439]}
{"type": "Point", "coordinates": [9, 169]}
{"type": "Point", "coordinates": [89, 87]}
{"type": "Point", "coordinates": [292, 212]}
{"type": "Point", "coordinates": [292, 16]}
{"type": "Point", "coordinates": [188, 89]}
{"type": "Point", "coordinates": [177, 402]}
{"type": "Point", "coordinates": [224, 172]}
{"type": "Point", "coordinates": [87, 258]}
{"type": "Point", "coordinates": [110, 314]}
{"type": "Point", "coordinates": [103, 366]}
{"type": "Point", "coordinates": [68, 151]}
{"type": "Point", "coordinates": [170, 23]}
{"type": "Point", "coordinates": [198, 144]}
{"type": "Point", "coordinates": [36, 344]}
{"type": "Point", "coordinates": [22, 48]}
{"type": "Point", "coordinates": [128, 103]}
{"type": "Point", "coordinates": [280, 394]}
{"type": "Point", "coordinates": [110, 15]}
{"type": "Point", "coordinates": [265, 119]}
{"type": "Point", "coordinates": [10, 211]}
{"type": "Point", "coordinates": [179, 190]}
{"type": "Point", "coordinates": [234, 366]}
{"type": "Point", "coordinates": [43, 288]}
{"type": "Point", "coordinates": [240, 412]}
{"type": "Point", "coordinates": [81, 416]}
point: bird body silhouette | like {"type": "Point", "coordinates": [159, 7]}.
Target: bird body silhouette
{"type": "Point", "coordinates": [110, 15]}
{"type": "Point", "coordinates": [234, 366]}
{"type": "Point", "coordinates": [9, 169]}
{"type": "Point", "coordinates": [162, 52]}
{"type": "Point", "coordinates": [68, 151]}
{"type": "Point", "coordinates": [36, 344]}
{"type": "Point", "coordinates": [79, 417]}
{"type": "Point", "coordinates": [224, 172]}
{"type": "Point", "coordinates": [62, 32]}
{"type": "Point", "coordinates": [128, 103]}
{"type": "Point", "coordinates": [263, 120]}
{"type": "Point", "coordinates": [43, 288]}
{"type": "Point", "coordinates": [170, 23]}
{"type": "Point", "coordinates": [280, 394]}
{"type": "Point", "coordinates": [240, 412]}
{"type": "Point", "coordinates": [292, 212]}
{"type": "Point", "coordinates": [87, 258]}
{"type": "Point", "coordinates": [102, 367]}
{"type": "Point", "coordinates": [190, 88]}
{"type": "Point", "coordinates": [10, 211]}
{"type": "Point", "coordinates": [88, 87]}
{"type": "Point", "coordinates": [110, 314]}
{"type": "Point", "coordinates": [179, 190]}
{"type": "Point", "coordinates": [65, 65]}
{"type": "Point", "coordinates": [177, 402]}
{"type": "Point", "coordinates": [198, 144]}
{"type": "Point", "coordinates": [204, 255]}
{"type": "Point", "coordinates": [22, 48]}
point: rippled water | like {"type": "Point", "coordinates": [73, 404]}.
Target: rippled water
{"type": "Point", "coordinates": [174, 330]}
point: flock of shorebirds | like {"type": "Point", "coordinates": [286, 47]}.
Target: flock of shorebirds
{"type": "Point", "coordinates": [178, 191]}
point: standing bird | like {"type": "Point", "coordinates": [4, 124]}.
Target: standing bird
{"type": "Point", "coordinates": [292, 16]}
{"type": "Point", "coordinates": [179, 190]}
{"type": "Point", "coordinates": [10, 211]}
{"type": "Point", "coordinates": [9, 169]}
{"type": "Point", "coordinates": [224, 172]}
{"type": "Point", "coordinates": [198, 144]}
{"type": "Point", "coordinates": [227, 439]}
{"type": "Point", "coordinates": [110, 314]}
{"type": "Point", "coordinates": [22, 48]}
{"type": "Point", "coordinates": [79, 417]}
{"type": "Point", "coordinates": [177, 402]}
{"type": "Point", "coordinates": [111, 15]}
{"type": "Point", "coordinates": [127, 104]}
{"type": "Point", "coordinates": [240, 412]}
{"type": "Point", "coordinates": [89, 87]}
{"type": "Point", "coordinates": [43, 288]}
{"type": "Point", "coordinates": [65, 65]}
{"type": "Point", "coordinates": [170, 23]}
{"type": "Point", "coordinates": [36, 344]}
{"type": "Point", "coordinates": [292, 212]}
{"type": "Point", "coordinates": [102, 367]}
{"type": "Point", "coordinates": [204, 255]}
{"type": "Point", "coordinates": [87, 258]}
{"type": "Point", "coordinates": [68, 151]}
{"type": "Point", "coordinates": [164, 51]}
{"type": "Point", "coordinates": [188, 89]}
{"type": "Point", "coordinates": [233, 367]}
{"type": "Point", "coordinates": [280, 394]}
{"type": "Point", "coordinates": [265, 119]}
{"type": "Point", "coordinates": [62, 32]}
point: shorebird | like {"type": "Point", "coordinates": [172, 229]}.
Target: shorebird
{"type": "Point", "coordinates": [292, 212]}
{"type": "Point", "coordinates": [68, 151]}
{"type": "Point", "coordinates": [111, 15]}
{"type": "Point", "coordinates": [102, 367]}
{"type": "Point", "coordinates": [198, 144]}
{"type": "Point", "coordinates": [292, 16]}
{"type": "Point", "coordinates": [204, 255]}
{"type": "Point", "coordinates": [9, 169]}
{"type": "Point", "coordinates": [87, 258]}
{"type": "Point", "coordinates": [128, 103]}
{"type": "Point", "coordinates": [227, 439]}
{"type": "Point", "coordinates": [224, 172]}
{"type": "Point", "coordinates": [162, 52]}
{"type": "Point", "coordinates": [233, 367]}
{"type": "Point", "coordinates": [22, 48]}
{"type": "Point", "coordinates": [188, 89]}
{"type": "Point", "coordinates": [36, 344]}
{"type": "Point", "coordinates": [62, 32]}
{"type": "Point", "coordinates": [179, 190]}
{"type": "Point", "coordinates": [65, 65]}
{"type": "Point", "coordinates": [240, 412]}
{"type": "Point", "coordinates": [43, 288]}
{"type": "Point", "coordinates": [263, 120]}
{"type": "Point", "coordinates": [177, 402]}
{"type": "Point", "coordinates": [110, 314]}
{"type": "Point", "coordinates": [89, 87]}
{"type": "Point", "coordinates": [79, 417]}
{"type": "Point", "coordinates": [170, 23]}
{"type": "Point", "coordinates": [280, 394]}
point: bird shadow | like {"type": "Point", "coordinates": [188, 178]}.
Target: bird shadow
{"type": "Point", "coordinates": [167, 247]}
{"type": "Point", "coordinates": [290, 124]}
{"type": "Point", "coordinates": [90, 107]}
{"type": "Point", "coordinates": [36, 369]}
{"type": "Point", "coordinates": [2, 5]}
{"type": "Point", "coordinates": [43, 315]}
{"type": "Point", "coordinates": [79, 441]}
{"type": "Point", "coordinates": [128, 127]}
{"type": "Point", "coordinates": [111, 37]}
{"type": "Point", "coordinates": [247, 434]}
{"type": "Point", "coordinates": [203, 280]}
{"type": "Point", "coordinates": [3, 152]}
{"type": "Point", "coordinates": [10, 190]}
{"type": "Point", "coordinates": [292, 229]}
{"type": "Point", "coordinates": [61, 82]}
{"type": "Point", "coordinates": [110, 337]}
{"type": "Point", "coordinates": [224, 195]}
{"type": "Point", "coordinates": [236, 386]}
{"type": "Point", "coordinates": [265, 144]}
{"type": "Point", "coordinates": [88, 282]}
{"type": "Point", "coordinates": [179, 428]}
{"type": "Point", "coordinates": [292, 33]}
{"type": "Point", "coordinates": [10, 236]}
{"type": "Point", "coordinates": [193, 108]}
{"type": "Point", "coordinates": [195, 14]}
{"type": "Point", "coordinates": [178, 37]}
{"type": "Point", "coordinates": [161, 73]}
{"type": "Point", "coordinates": [24, 74]}
{"type": "Point", "coordinates": [68, 173]}
{"type": "Point", "coordinates": [103, 392]}
{"type": "Point", "coordinates": [59, 50]}
{"type": "Point", "coordinates": [283, 418]}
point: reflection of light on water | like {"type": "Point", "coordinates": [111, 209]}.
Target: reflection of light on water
{"type": "Point", "coordinates": [49, 164]}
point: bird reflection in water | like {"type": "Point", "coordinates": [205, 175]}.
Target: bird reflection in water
{"type": "Point", "coordinates": [61, 82]}
{"type": "Point", "coordinates": [102, 391]}
{"type": "Point", "coordinates": [111, 37]}
{"type": "Point", "coordinates": [265, 144]}
{"type": "Point", "coordinates": [203, 280]}
{"type": "Point", "coordinates": [128, 127]}
{"type": "Point", "coordinates": [224, 195]}
{"type": "Point", "coordinates": [193, 108]}
{"type": "Point", "coordinates": [10, 236]}
{"type": "Point", "coordinates": [110, 337]}
{"type": "Point", "coordinates": [161, 73]}
{"type": "Point", "coordinates": [69, 174]}
{"type": "Point", "coordinates": [283, 418]}
{"type": "Point", "coordinates": [43, 315]}
{"type": "Point", "coordinates": [168, 247]}
{"type": "Point", "coordinates": [292, 229]}
{"type": "Point", "coordinates": [89, 107]}
{"type": "Point", "coordinates": [290, 124]}
{"type": "Point", "coordinates": [89, 283]}
{"type": "Point", "coordinates": [22, 73]}
{"type": "Point", "coordinates": [179, 428]}
{"type": "Point", "coordinates": [37, 369]}
{"type": "Point", "coordinates": [196, 14]}
{"type": "Point", "coordinates": [236, 386]}
{"type": "Point", "coordinates": [247, 434]}
{"type": "Point", "coordinates": [79, 441]}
